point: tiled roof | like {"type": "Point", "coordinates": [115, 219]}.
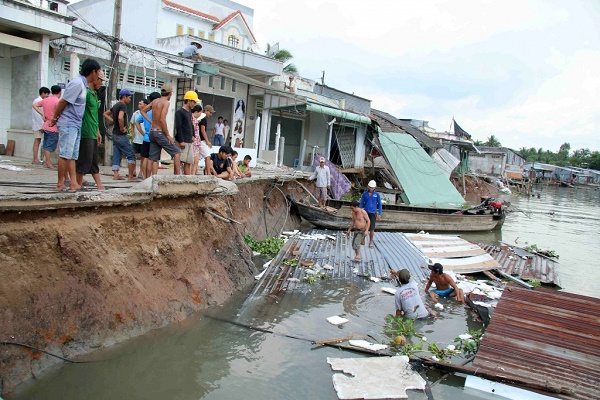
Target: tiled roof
{"type": "Point", "coordinates": [232, 16]}
{"type": "Point", "coordinates": [191, 11]}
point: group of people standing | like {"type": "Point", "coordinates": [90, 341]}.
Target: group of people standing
{"type": "Point", "coordinates": [70, 122]}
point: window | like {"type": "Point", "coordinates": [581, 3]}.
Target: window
{"type": "Point", "coordinates": [233, 41]}
{"type": "Point", "coordinates": [190, 31]}
{"type": "Point", "coordinates": [179, 30]}
{"type": "Point", "coordinates": [200, 33]}
{"type": "Point", "coordinates": [211, 36]}
{"type": "Point", "coordinates": [183, 85]}
{"type": "Point", "coordinates": [233, 85]}
{"type": "Point", "coordinates": [211, 82]}
{"type": "Point", "coordinates": [222, 83]}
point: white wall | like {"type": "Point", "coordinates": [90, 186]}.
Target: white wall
{"type": "Point", "coordinates": [5, 92]}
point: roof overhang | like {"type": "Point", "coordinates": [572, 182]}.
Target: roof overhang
{"type": "Point", "coordinates": [343, 115]}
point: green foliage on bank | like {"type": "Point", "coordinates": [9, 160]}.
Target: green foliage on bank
{"type": "Point", "coordinates": [268, 247]}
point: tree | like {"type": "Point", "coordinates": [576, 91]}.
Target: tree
{"type": "Point", "coordinates": [479, 143]}
{"type": "Point", "coordinates": [563, 152]}
{"type": "Point", "coordinates": [282, 55]}
{"type": "Point", "coordinates": [493, 142]}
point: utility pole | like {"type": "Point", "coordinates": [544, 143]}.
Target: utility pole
{"type": "Point", "coordinates": [114, 75]}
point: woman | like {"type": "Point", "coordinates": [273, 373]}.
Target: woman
{"type": "Point", "coordinates": [196, 117]}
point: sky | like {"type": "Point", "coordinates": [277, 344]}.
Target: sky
{"type": "Point", "coordinates": [525, 71]}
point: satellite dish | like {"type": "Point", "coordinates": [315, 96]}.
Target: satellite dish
{"type": "Point", "coordinates": [254, 48]}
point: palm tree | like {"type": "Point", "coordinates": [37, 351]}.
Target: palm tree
{"type": "Point", "coordinates": [284, 56]}
{"type": "Point", "coordinates": [493, 142]}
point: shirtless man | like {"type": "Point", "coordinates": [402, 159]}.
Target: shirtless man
{"type": "Point", "coordinates": [159, 132]}
{"type": "Point", "coordinates": [360, 221]}
{"type": "Point", "coordinates": [444, 284]}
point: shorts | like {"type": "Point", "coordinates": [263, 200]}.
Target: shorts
{"type": "Point", "coordinates": [444, 292]}
{"type": "Point", "coordinates": [50, 141]}
{"type": "Point", "coordinates": [187, 154]}
{"type": "Point", "coordinates": [145, 152]}
{"type": "Point", "coordinates": [38, 134]}
{"type": "Point", "coordinates": [358, 238]}
{"type": "Point", "coordinates": [137, 147]}
{"type": "Point", "coordinates": [373, 219]}
{"type": "Point", "coordinates": [321, 193]}
{"type": "Point", "coordinates": [68, 142]}
{"type": "Point", "coordinates": [121, 146]}
{"type": "Point", "coordinates": [158, 142]}
{"type": "Point", "coordinates": [204, 151]}
{"type": "Point", "coordinates": [87, 163]}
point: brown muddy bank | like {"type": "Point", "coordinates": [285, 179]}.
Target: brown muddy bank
{"type": "Point", "coordinates": [76, 280]}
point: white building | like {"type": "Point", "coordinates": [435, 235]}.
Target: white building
{"type": "Point", "coordinates": [26, 58]}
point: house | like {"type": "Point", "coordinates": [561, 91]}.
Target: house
{"type": "Point", "coordinates": [26, 29]}
{"type": "Point", "coordinates": [457, 142]}
{"type": "Point", "coordinates": [232, 79]}
{"type": "Point", "coordinates": [297, 127]}
{"type": "Point", "coordinates": [497, 161]}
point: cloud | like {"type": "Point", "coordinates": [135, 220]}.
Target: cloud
{"type": "Point", "coordinates": [522, 70]}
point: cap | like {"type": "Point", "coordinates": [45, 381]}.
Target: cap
{"type": "Point", "coordinates": [403, 275]}
{"type": "Point", "coordinates": [194, 42]}
{"type": "Point", "coordinates": [125, 92]}
{"type": "Point", "coordinates": [437, 267]}
{"type": "Point", "coordinates": [102, 77]}
{"type": "Point", "coordinates": [322, 159]}
{"type": "Point", "coordinates": [372, 184]}
{"type": "Point", "coordinates": [191, 95]}
{"type": "Point", "coordinates": [166, 88]}
{"type": "Point", "coordinates": [209, 108]}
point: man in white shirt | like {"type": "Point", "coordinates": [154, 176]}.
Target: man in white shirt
{"type": "Point", "coordinates": [323, 177]}
{"type": "Point", "coordinates": [36, 124]}
{"type": "Point", "coordinates": [218, 133]}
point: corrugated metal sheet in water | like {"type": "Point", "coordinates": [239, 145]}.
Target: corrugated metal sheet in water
{"type": "Point", "coordinates": [392, 250]}
{"type": "Point", "coordinates": [551, 338]}
{"type": "Point", "coordinates": [533, 266]}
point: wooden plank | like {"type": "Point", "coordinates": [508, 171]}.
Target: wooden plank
{"type": "Point", "coordinates": [461, 253]}
{"type": "Point", "coordinates": [10, 148]}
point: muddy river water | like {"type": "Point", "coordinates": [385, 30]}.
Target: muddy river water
{"type": "Point", "coordinates": [207, 358]}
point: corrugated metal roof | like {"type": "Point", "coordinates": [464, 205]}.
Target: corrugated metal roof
{"type": "Point", "coordinates": [384, 119]}
{"type": "Point", "coordinates": [424, 183]}
{"type": "Point", "coordinates": [533, 266]}
{"type": "Point", "coordinates": [551, 338]}
{"type": "Point", "coordinates": [392, 250]}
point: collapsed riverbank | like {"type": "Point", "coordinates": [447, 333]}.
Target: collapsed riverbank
{"type": "Point", "coordinates": [78, 279]}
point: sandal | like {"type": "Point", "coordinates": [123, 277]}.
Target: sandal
{"type": "Point", "coordinates": [371, 245]}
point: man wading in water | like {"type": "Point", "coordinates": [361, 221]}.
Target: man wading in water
{"type": "Point", "coordinates": [360, 221]}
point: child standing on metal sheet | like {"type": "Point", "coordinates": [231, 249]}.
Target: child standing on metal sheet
{"type": "Point", "coordinates": [360, 221]}
{"type": "Point", "coordinates": [444, 284]}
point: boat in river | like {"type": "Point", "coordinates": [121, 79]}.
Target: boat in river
{"type": "Point", "coordinates": [487, 216]}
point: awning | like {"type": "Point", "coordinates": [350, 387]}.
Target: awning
{"type": "Point", "coordinates": [334, 112]}
{"type": "Point", "coordinates": [342, 115]}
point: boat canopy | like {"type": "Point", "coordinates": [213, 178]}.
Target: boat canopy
{"type": "Point", "coordinates": [424, 183]}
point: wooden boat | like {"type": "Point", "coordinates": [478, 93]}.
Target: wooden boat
{"type": "Point", "coordinates": [406, 218]}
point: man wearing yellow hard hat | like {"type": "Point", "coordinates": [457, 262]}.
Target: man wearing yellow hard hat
{"type": "Point", "coordinates": [184, 130]}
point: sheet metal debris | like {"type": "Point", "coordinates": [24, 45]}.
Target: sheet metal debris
{"type": "Point", "coordinates": [454, 253]}
{"type": "Point", "coordinates": [550, 337]}
{"type": "Point", "coordinates": [332, 253]}
{"type": "Point", "coordinates": [520, 263]}
{"type": "Point", "coordinates": [374, 378]}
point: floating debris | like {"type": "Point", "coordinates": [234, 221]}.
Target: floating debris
{"type": "Point", "coordinates": [362, 378]}
{"type": "Point", "coordinates": [337, 320]}
{"type": "Point", "coordinates": [363, 344]}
